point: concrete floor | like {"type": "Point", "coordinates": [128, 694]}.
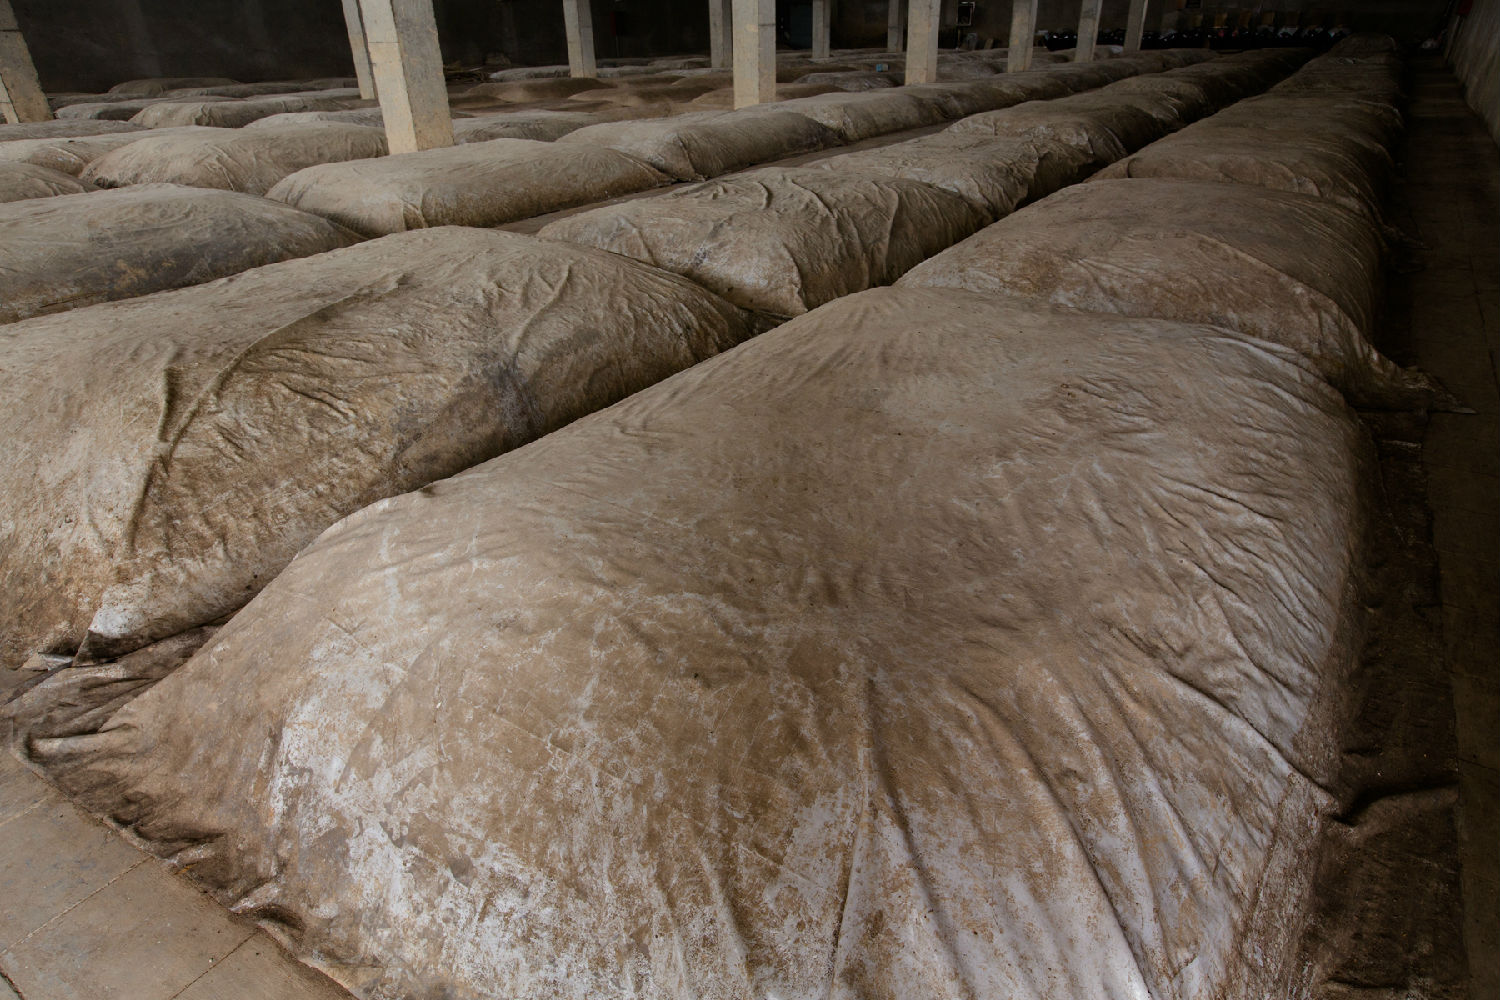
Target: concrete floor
{"type": "Point", "coordinates": [85, 915]}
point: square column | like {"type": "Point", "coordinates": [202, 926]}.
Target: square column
{"type": "Point", "coordinates": [720, 37]}
{"type": "Point", "coordinates": [355, 23]}
{"type": "Point", "coordinates": [1088, 30]}
{"type": "Point", "coordinates": [578, 21]}
{"type": "Point", "coordinates": [895, 33]}
{"type": "Point", "coordinates": [408, 69]}
{"type": "Point", "coordinates": [822, 16]}
{"type": "Point", "coordinates": [922, 40]}
{"type": "Point", "coordinates": [1135, 25]}
{"type": "Point", "coordinates": [754, 52]}
{"type": "Point", "coordinates": [1022, 35]}
{"type": "Point", "coordinates": [21, 97]}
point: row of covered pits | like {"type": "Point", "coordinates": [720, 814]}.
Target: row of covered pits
{"type": "Point", "coordinates": [943, 635]}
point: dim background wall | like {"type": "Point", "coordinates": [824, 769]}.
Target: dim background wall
{"type": "Point", "coordinates": [1476, 58]}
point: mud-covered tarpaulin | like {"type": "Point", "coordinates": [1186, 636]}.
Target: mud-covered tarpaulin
{"type": "Point", "coordinates": [60, 128]}
{"type": "Point", "coordinates": [244, 160]}
{"type": "Point", "coordinates": [706, 144]}
{"type": "Point", "coordinates": [78, 250]}
{"type": "Point", "coordinates": [994, 174]}
{"type": "Point", "coordinates": [169, 454]}
{"type": "Point", "coordinates": [918, 648]}
{"type": "Point", "coordinates": [475, 184]}
{"type": "Point", "coordinates": [779, 241]}
{"type": "Point", "coordinates": [22, 181]}
{"type": "Point", "coordinates": [71, 154]}
{"type": "Point", "coordinates": [1293, 269]}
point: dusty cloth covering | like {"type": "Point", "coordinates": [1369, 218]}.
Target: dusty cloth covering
{"type": "Point", "coordinates": [860, 116]}
{"type": "Point", "coordinates": [542, 126]}
{"type": "Point", "coordinates": [918, 648]}
{"type": "Point", "coordinates": [151, 86]}
{"type": "Point", "coordinates": [854, 81]}
{"type": "Point", "coordinates": [723, 98]}
{"type": "Point", "coordinates": [706, 144]}
{"type": "Point", "coordinates": [1189, 99]}
{"type": "Point", "coordinates": [125, 110]}
{"type": "Point", "coordinates": [960, 98]}
{"type": "Point", "coordinates": [250, 162]}
{"type": "Point", "coordinates": [635, 95]}
{"type": "Point", "coordinates": [993, 174]}
{"type": "Point", "coordinates": [782, 241]}
{"type": "Point", "coordinates": [530, 91]}
{"type": "Point", "coordinates": [475, 184]}
{"type": "Point", "coordinates": [238, 113]}
{"type": "Point", "coordinates": [171, 453]}
{"type": "Point", "coordinates": [25, 181]}
{"type": "Point", "coordinates": [269, 87]}
{"type": "Point", "coordinates": [1104, 128]}
{"type": "Point", "coordinates": [71, 155]}
{"type": "Point", "coordinates": [60, 128]}
{"type": "Point", "coordinates": [1374, 124]}
{"type": "Point", "coordinates": [78, 250]}
{"type": "Point", "coordinates": [1292, 269]}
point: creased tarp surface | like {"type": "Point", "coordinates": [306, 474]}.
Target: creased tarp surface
{"type": "Point", "coordinates": [529, 91]}
{"type": "Point", "coordinates": [782, 241]}
{"type": "Point", "coordinates": [1294, 269]}
{"type": "Point", "coordinates": [994, 174]}
{"type": "Point", "coordinates": [71, 154]}
{"type": "Point", "coordinates": [151, 86]}
{"type": "Point", "coordinates": [22, 181]}
{"type": "Point", "coordinates": [59, 128]}
{"type": "Point", "coordinates": [248, 161]}
{"type": "Point", "coordinates": [475, 184]}
{"type": "Point", "coordinates": [918, 648]}
{"type": "Point", "coordinates": [543, 126]}
{"type": "Point", "coordinates": [78, 250]}
{"type": "Point", "coordinates": [238, 113]}
{"type": "Point", "coordinates": [169, 454]}
{"type": "Point", "coordinates": [860, 116]}
{"type": "Point", "coordinates": [1106, 128]}
{"type": "Point", "coordinates": [707, 144]}
{"type": "Point", "coordinates": [123, 110]}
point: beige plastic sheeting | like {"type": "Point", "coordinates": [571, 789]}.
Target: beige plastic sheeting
{"type": "Point", "coordinates": [918, 648]}
{"type": "Point", "coordinates": [474, 184]}
{"type": "Point", "coordinates": [169, 454]}
{"type": "Point", "coordinates": [706, 144]}
{"type": "Point", "coordinates": [780, 241]}
{"type": "Point", "coordinates": [244, 160]}
{"type": "Point", "coordinates": [1289, 268]}
{"type": "Point", "coordinates": [23, 181]}
{"type": "Point", "coordinates": [78, 250]}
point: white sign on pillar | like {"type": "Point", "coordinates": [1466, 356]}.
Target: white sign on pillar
{"type": "Point", "coordinates": [822, 28]}
{"type": "Point", "coordinates": [720, 37]}
{"type": "Point", "coordinates": [355, 23]}
{"type": "Point", "coordinates": [1088, 30]}
{"type": "Point", "coordinates": [578, 20]}
{"type": "Point", "coordinates": [1135, 25]}
{"type": "Point", "coordinates": [922, 40]}
{"type": "Point", "coordinates": [21, 97]}
{"type": "Point", "coordinates": [408, 69]}
{"type": "Point", "coordinates": [895, 25]}
{"type": "Point", "coordinates": [754, 52]}
{"type": "Point", "coordinates": [1022, 35]}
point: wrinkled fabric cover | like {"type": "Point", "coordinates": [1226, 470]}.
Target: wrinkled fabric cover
{"type": "Point", "coordinates": [861, 116]}
{"type": "Point", "coordinates": [531, 91]}
{"type": "Point", "coordinates": [707, 144]}
{"type": "Point", "coordinates": [23, 181]}
{"type": "Point", "coordinates": [78, 250]}
{"type": "Point", "coordinates": [238, 113]}
{"type": "Point", "coordinates": [1190, 99]}
{"type": "Point", "coordinates": [1293, 269]}
{"type": "Point", "coordinates": [251, 162]}
{"type": "Point", "coordinates": [1105, 128]}
{"type": "Point", "coordinates": [170, 454]}
{"type": "Point", "coordinates": [475, 184]}
{"type": "Point", "coordinates": [151, 86]}
{"type": "Point", "coordinates": [995, 175]}
{"type": "Point", "coordinates": [918, 648]}
{"type": "Point", "coordinates": [543, 126]}
{"type": "Point", "coordinates": [60, 128]}
{"type": "Point", "coordinates": [125, 110]}
{"type": "Point", "coordinates": [782, 241]}
{"type": "Point", "coordinates": [72, 154]}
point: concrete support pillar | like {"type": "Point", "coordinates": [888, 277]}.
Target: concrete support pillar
{"type": "Point", "coordinates": [1088, 30]}
{"type": "Point", "coordinates": [720, 35]}
{"type": "Point", "coordinates": [922, 40]}
{"type": "Point", "coordinates": [578, 20]}
{"type": "Point", "coordinates": [895, 29]}
{"type": "Point", "coordinates": [822, 27]}
{"type": "Point", "coordinates": [1022, 35]}
{"type": "Point", "coordinates": [355, 23]}
{"type": "Point", "coordinates": [1135, 25]}
{"type": "Point", "coordinates": [754, 52]}
{"type": "Point", "coordinates": [408, 68]}
{"type": "Point", "coordinates": [21, 97]}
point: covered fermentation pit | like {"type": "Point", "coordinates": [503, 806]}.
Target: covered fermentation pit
{"type": "Point", "coordinates": [734, 501]}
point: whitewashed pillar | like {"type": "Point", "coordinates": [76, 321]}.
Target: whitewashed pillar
{"type": "Point", "coordinates": [407, 64]}
{"type": "Point", "coordinates": [355, 23]}
{"type": "Point", "coordinates": [922, 40]}
{"type": "Point", "coordinates": [895, 25]}
{"type": "Point", "coordinates": [1135, 25]}
{"type": "Point", "coordinates": [21, 97]}
{"type": "Point", "coordinates": [754, 52]}
{"type": "Point", "coordinates": [578, 21]}
{"type": "Point", "coordinates": [720, 35]}
{"type": "Point", "coordinates": [1022, 35]}
{"type": "Point", "coordinates": [1088, 30]}
{"type": "Point", "coordinates": [822, 28]}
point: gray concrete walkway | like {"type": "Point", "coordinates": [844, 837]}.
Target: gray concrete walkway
{"type": "Point", "coordinates": [86, 916]}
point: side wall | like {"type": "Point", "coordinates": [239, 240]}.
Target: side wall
{"type": "Point", "coordinates": [1475, 54]}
